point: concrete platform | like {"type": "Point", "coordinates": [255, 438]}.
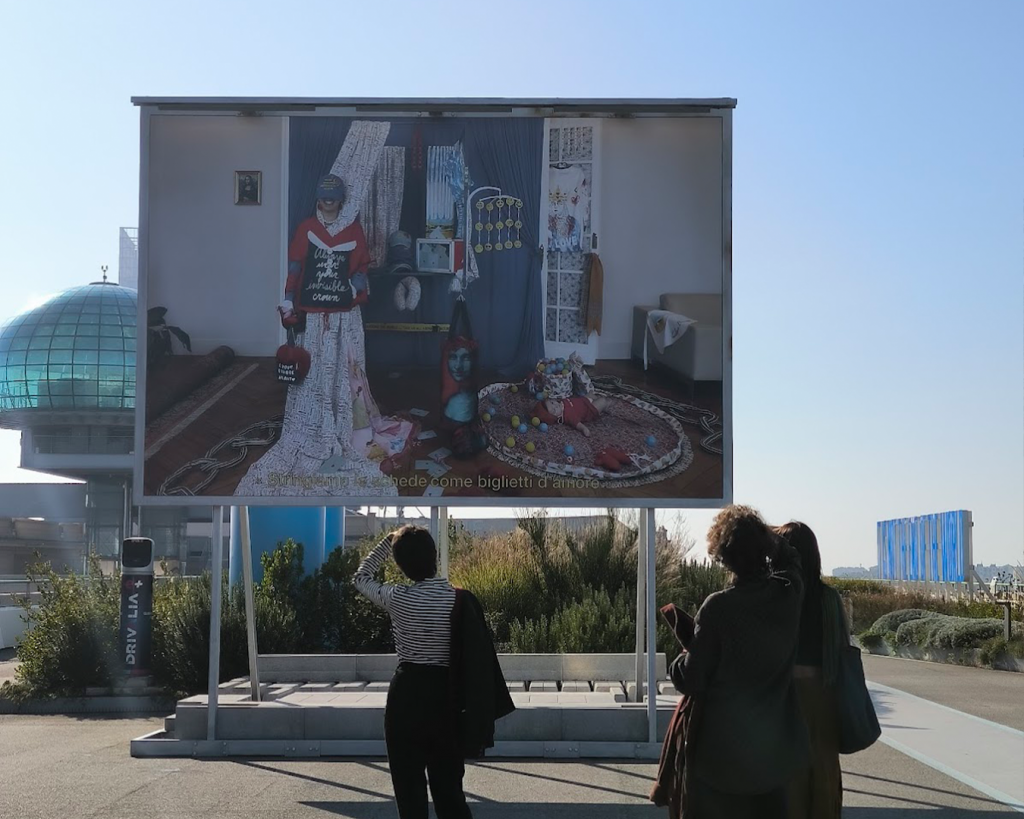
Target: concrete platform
{"type": "Point", "coordinates": [333, 705]}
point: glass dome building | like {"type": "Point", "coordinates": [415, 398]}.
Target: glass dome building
{"type": "Point", "coordinates": [75, 352]}
{"type": "Point", "coordinates": [67, 382]}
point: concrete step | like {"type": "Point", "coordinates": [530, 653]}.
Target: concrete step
{"type": "Point", "coordinates": [169, 724]}
{"type": "Point", "coordinates": [326, 716]}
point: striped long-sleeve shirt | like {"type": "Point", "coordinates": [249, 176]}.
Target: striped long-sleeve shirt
{"type": "Point", "coordinates": [421, 614]}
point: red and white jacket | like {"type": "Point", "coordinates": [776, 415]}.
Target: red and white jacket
{"type": "Point", "coordinates": [321, 267]}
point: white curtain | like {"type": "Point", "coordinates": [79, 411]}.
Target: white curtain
{"type": "Point", "coordinates": [382, 211]}
{"type": "Point", "coordinates": [316, 456]}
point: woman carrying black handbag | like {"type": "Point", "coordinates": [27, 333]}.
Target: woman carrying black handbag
{"type": "Point", "coordinates": [835, 703]}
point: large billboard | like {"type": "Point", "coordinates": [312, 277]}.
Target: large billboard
{"type": "Point", "coordinates": [465, 302]}
{"type": "Point", "coordinates": [934, 548]}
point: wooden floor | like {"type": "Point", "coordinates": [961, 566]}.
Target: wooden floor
{"type": "Point", "coordinates": [258, 397]}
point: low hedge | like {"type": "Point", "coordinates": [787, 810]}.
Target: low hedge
{"type": "Point", "coordinates": [934, 630]}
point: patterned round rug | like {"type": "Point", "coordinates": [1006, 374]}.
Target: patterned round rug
{"type": "Point", "coordinates": [654, 441]}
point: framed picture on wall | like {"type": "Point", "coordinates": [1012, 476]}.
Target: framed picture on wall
{"type": "Point", "coordinates": [248, 187]}
{"type": "Point", "coordinates": [435, 255]}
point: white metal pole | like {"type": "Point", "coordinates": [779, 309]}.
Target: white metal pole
{"type": "Point", "coordinates": [216, 560]}
{"type": "Point", "coordinates": [641, 607]}
{"type": "Point", "coordinates": [250, 602]}
{"type": "Point", "coordinates": [442, 540]}
{"type": "Point", "coordinates": [652, 631]}
{"type": "Point", "coordinates": [434, 516]}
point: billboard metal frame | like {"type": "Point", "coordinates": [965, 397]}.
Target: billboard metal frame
{"type": "Point", "coordinates": [720, 108]}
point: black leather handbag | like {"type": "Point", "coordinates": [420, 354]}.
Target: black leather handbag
{"type": "Point", "coordinates": [858, 722]}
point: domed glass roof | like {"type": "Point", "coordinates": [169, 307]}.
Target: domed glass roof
{"type": "Point", "coordinates": [77, 351]}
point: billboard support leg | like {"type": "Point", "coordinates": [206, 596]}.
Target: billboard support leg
{"type": "Point", "coordinates": [250, 602]}
{"type": "Point", "coordinates": [216, 571]}
{"type": "Point", "coordinates": [641, 604]}
{"type": "Point", "coordinates": [435, 513]}
{"type": "Point", "coordinates": [647, 520]}
{"type": "Point", "coordinates": [442, 541]}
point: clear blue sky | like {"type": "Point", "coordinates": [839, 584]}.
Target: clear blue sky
{"type": "Point", "coordinates": [878, 189]}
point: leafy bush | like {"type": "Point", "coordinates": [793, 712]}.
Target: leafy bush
{"type": "Point", "coordinates": [72, 640]}
{"type": "Point", "coordinates": [849, 585]}
{"type": "Point", "coordinates": [888, 623]}
{"type": "Point", "coordinates": [181, 632]}
{"type": "Point", "coordinates": [502, 573]}
{"type": "Point", "coordinates": [334, 617]}
{"type": "Point", "coordinates": [920, 631]}
{"type": "Point", "coordinates": [869, 604]}
{"type": "Point", "coordinates": [596, 623]}
{"type": "Point", "coordinates": [997, 647]}
{"type": "Point", "coordinates": [965, 633]}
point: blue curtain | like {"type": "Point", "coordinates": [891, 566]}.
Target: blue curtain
{"type": "Point", "coordinates": [505, 302]}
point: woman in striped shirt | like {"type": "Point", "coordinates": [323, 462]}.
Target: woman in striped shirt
{"type": "Point", "coordinates": [420, 739]}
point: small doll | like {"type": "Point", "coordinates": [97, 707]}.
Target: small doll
{"type": "Point", "coordinates": [576, 412]}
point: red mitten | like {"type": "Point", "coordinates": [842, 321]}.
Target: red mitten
{"type": "Point", "coordinates": [619, 455]}
{"type": "Point", "coordinates": [606, 461]}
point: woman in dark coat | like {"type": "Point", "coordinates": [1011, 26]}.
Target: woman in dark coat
{"type": "Point", "coordinates": [816, 792]}
{"type": "Point", "coordinates": [747, 740]}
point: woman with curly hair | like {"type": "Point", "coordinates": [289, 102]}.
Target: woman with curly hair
{"type": "Point", "coordinates": [816, 792]}
{"type": "Point", "coordinates": [746, 739]}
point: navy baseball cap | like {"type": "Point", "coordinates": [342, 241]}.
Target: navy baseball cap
{"type": "Point", "coordinates": [400, 254]}
{"type": "Point", "coordinates": [331, 187]}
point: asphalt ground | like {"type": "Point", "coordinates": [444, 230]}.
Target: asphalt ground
{"type": "Point", "coordinates": [993, 695]}
{"type": "Point", "coordinates": [58, 766]}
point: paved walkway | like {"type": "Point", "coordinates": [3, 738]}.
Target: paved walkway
{"type": "Point", "coordinates": [68, 767]}
{"type": "Point", "coordinates": [952, 748]}
{"type": "Point", "coordinates": [941, 716]}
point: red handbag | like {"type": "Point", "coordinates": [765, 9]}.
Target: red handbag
{"type": "Point", "coordinates": [293, 362]}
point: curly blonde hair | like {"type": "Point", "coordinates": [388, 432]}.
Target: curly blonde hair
{"type": "Point", "coordinates": [741, 541]}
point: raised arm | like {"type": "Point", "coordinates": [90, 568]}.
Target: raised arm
{"type": "Point", "coordinates": [365, 579]}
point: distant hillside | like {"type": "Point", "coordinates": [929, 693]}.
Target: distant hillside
{"type": "Point", "coordinates": [855, 572]}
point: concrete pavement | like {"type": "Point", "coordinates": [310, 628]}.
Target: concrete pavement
{"type": "Point", "coordinates": [73, 767]}
{"type": "Point", "coordinates": [992, 695]}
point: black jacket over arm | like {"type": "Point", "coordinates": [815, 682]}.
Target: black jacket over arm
{"type": "Point", "coordinates": [479, 693]}
{"type": "Point", "coordinates": [739, 669]}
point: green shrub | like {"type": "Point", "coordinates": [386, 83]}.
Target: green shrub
{"type": "Point", "coordinates": [920, 631]}
{"type": "Point", "coordinates": [889, 623]}
{"type": "Point", "coordinates": [597, 623]}
{"type": "Point", "coordinates": [334, 617]}
{"type": "Point", "coordinates": [501, 572]}
{"type": "Point", "coordinates": [869, 640]}
{"type": "Point", "coordinates": [72, 640]}
{"type": "Point", "coordinates": [181, 633]}
{"type": "Point", "coordinates": [966, 633]}
{"type": "Point", "coordinates": [997, 647]}
{"type": "Point", "coordinates": [849, 585]}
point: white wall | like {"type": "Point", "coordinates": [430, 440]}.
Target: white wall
{"type": "Point", "coordinates": [217, 267]}
{"type": "Point", "coordinates": [660, 202]}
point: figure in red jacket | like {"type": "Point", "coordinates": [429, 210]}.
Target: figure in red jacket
{"type": "Point", "coordinates": [332, 426]}
{"type": "Point", "coordinates": [326, 271]}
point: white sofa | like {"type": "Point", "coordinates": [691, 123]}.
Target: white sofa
{"type": "Point", "coordinates": [697, 355]}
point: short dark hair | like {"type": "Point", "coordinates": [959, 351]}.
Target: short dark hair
{"type": "Point", "coordinates": [415, 552]}
{"type": "Point", "coordinates": [741, 541]}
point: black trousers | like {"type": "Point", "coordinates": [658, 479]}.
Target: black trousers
{"type": "Point", "coordinates": [421, 744]}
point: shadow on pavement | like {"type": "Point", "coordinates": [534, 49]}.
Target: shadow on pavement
{"type": "Point", "coordinates": [930, 789]}
{"type": "Point", "coordinates": [492, 810]}
{"type": "Point", "coordinates": [912, 813]}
